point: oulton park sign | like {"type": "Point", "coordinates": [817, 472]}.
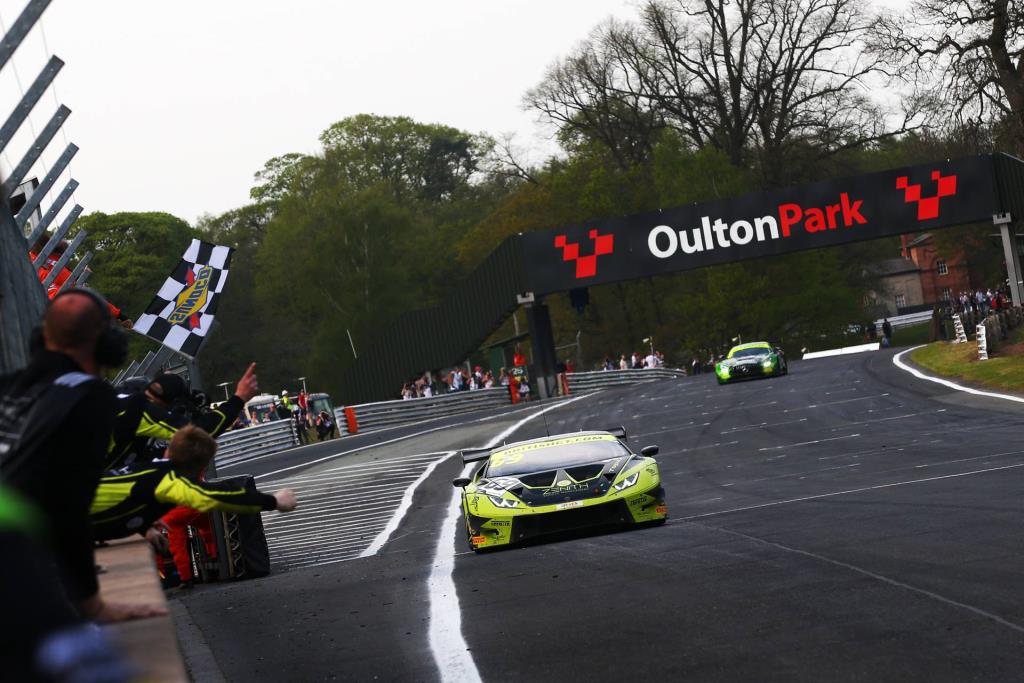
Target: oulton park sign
{"type": "Point", "coordinates": [893, 202]}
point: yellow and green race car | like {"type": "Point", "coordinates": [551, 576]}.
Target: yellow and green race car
{"type": "Point", "coordinates": [748, 361]}
{"type": "Point", "coordinates": [556, 484]}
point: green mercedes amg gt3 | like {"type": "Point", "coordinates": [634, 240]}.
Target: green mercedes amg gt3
{"type": "Point", "coordinates": [559, 483]}
{"type": "Point", "coordinates": [749, 361]}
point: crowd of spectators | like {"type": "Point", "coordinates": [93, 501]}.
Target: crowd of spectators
{"type": "Point", "coordinates": [63, 431]}
{"type": "Point", "coordinates": [635, 361]}
{"type": "Point", "coordinates": [982, 301]}
{"type": "Point", "coordinates": [456, 379]}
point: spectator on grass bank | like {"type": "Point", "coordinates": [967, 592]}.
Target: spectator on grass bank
{"type": "Point", "coordinates": [623, 363]}
{"type": "Point", "coordinates": [886, 332]}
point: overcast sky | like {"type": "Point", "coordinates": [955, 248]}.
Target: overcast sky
{"type": "Point", "coordinates": [176, 105]}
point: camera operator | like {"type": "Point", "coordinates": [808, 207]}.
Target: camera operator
{"type": "Point", "coordinates": [164, 407]}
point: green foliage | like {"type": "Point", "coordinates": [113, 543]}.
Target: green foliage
{"type": "Point", "coordinates": [341, 242]}
{"type": "Point", "coordinates": [243, 333]}
{"type": "Point", "coordinates": [133, 254]}
{"type": "Point", "coordinates": [414, 160]}
{"type": "Point", "coordinates": [1003, 370]}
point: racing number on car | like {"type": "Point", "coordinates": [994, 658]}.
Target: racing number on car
{"type": "Point", "coordinates": [499, 459]}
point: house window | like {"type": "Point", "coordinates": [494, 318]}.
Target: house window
{"type": "Point", "coordinates": [941, 265]}
{"type": "Point", "coordinates": [947, 293]}
{"type": "Point", "coordinates": [901, 301]}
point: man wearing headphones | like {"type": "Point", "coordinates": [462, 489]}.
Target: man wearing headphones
{"type": "Point", "coordinates": [56, 418]}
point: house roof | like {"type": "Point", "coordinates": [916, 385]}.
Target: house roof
{"type": "Point", "coordinates": [920, 239]}
{"type": "Point", "coordinates": [893, 266]}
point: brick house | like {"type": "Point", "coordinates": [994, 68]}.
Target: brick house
{"type": "Point", "coordinates": [919, 278]}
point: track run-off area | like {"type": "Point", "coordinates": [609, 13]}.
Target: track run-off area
{"type": "Point", "coordinates": [849, 521]}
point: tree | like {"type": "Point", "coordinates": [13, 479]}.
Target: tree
{"type": "Point", "coordinates": [245, 332]}
{"type": "Point", "coordinates": [774, 83]}
{"type": "Point", "coordinates": [429, 162]}
{"type": "Point", "coordinates": [134, 252]}
{"type": "Point", "coordinates": [966, 56]}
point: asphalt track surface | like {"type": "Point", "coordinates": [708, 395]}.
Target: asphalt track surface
{"type": "Point", "coordinates": [845, 522]}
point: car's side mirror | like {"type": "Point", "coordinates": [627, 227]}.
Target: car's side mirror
{"type": "Point", "coordinates": [461, 482]}
{"type": "Point", "coordinates": [649, 451]}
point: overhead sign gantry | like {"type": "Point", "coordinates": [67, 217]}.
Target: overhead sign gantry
{"type": "Point", "coordinates": [824, 214]}
{"type": "Point", "coordinates": [527, 267]}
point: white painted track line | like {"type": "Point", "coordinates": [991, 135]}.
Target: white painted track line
{"type": "Point", "coordinates": [898, 362]}
{"type": "Point", "coordinates": [451, 652]}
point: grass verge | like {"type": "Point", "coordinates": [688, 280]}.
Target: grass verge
{"type": "Point", "coordinates": [912, 335]}
{"type": "Point", "coordinates": [1003, 370]}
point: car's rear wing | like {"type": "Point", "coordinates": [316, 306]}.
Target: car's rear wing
{"type": "Point", "coordinates": [617, 432]}
{"type": "Point", "coordinates": [474, 454]}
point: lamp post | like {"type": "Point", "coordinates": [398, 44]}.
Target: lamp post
{"type": "Point", "coordinates": [650, 340]}
{"type": "Point", "coordinates": [303, 380]}
{"type": "Point", "coordinates": [225, 385]}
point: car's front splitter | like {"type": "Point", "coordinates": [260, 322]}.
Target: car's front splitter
{"type": "Point", "coordinates": [639, 508]}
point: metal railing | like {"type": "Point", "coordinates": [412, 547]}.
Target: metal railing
{"type": "Point", "coordinates": [906, 320]}
{"type": "Point", "coordinates": [587, 381]}
{"type": "Point", "coordinates": [371, 416]}
{"type": "Point", "coordinates": [24, 215]}
{"type": "Point", "coordinates": [239, 445]}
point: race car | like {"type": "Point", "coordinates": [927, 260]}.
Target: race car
{"type": "Point", "coordinates": [559, 483]}
{"type": "Point", "coordinates": [749, 361]}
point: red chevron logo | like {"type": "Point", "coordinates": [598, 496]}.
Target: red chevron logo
{"type": "Point", "coordinates": [586, 266]}
{"type": "Point", "coordinates": [927, 207]}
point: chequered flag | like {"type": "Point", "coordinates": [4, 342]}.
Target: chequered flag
{"type": "Point", "coordinates": [181, 314]}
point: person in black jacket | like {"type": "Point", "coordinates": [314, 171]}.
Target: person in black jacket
{"type": "Point", "coordinates": [56, 418]}
{"type": "Point", "coordinates": [148, 417]}
{"type": "Point", "coordinates": [130, 500]}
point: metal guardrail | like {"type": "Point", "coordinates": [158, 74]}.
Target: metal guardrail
{"type": "Point", "coordinates": [898, 321]}
{"type": "Point", "coordinates": [585, 381]}
{"type": "Point", "coordinates": [239, 445]}
{"type": "Point", "coordinates": [371, 416]}
{"type": "Point", "coordinates": [244, 444]}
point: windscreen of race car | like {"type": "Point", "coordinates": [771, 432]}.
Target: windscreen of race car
{"type": "Point", "coordinates": [552, 454]}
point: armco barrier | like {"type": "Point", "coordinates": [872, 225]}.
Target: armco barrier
{"type": "Point", "coordinates": [238, 445]}
{"type": "Point", "coordinates": [585, 381]}
{"type": "Point", "coordinates": [370, 416]}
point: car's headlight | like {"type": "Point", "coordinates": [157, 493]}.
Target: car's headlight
{"type": "Point", "coordinates": [627, 482]}
{"type": "Point", "coordinates": [768, 363]}
{"type": "Point", "coordinates": [504, 502]}
{"type": "Point", "coordinates": [723, 370]}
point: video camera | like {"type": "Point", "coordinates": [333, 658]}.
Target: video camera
{"type": "Point", "coordinates": [193, 404]}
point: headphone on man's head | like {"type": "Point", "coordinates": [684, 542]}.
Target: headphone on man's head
{"type": "Point", "coordinates": [112, 344]}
